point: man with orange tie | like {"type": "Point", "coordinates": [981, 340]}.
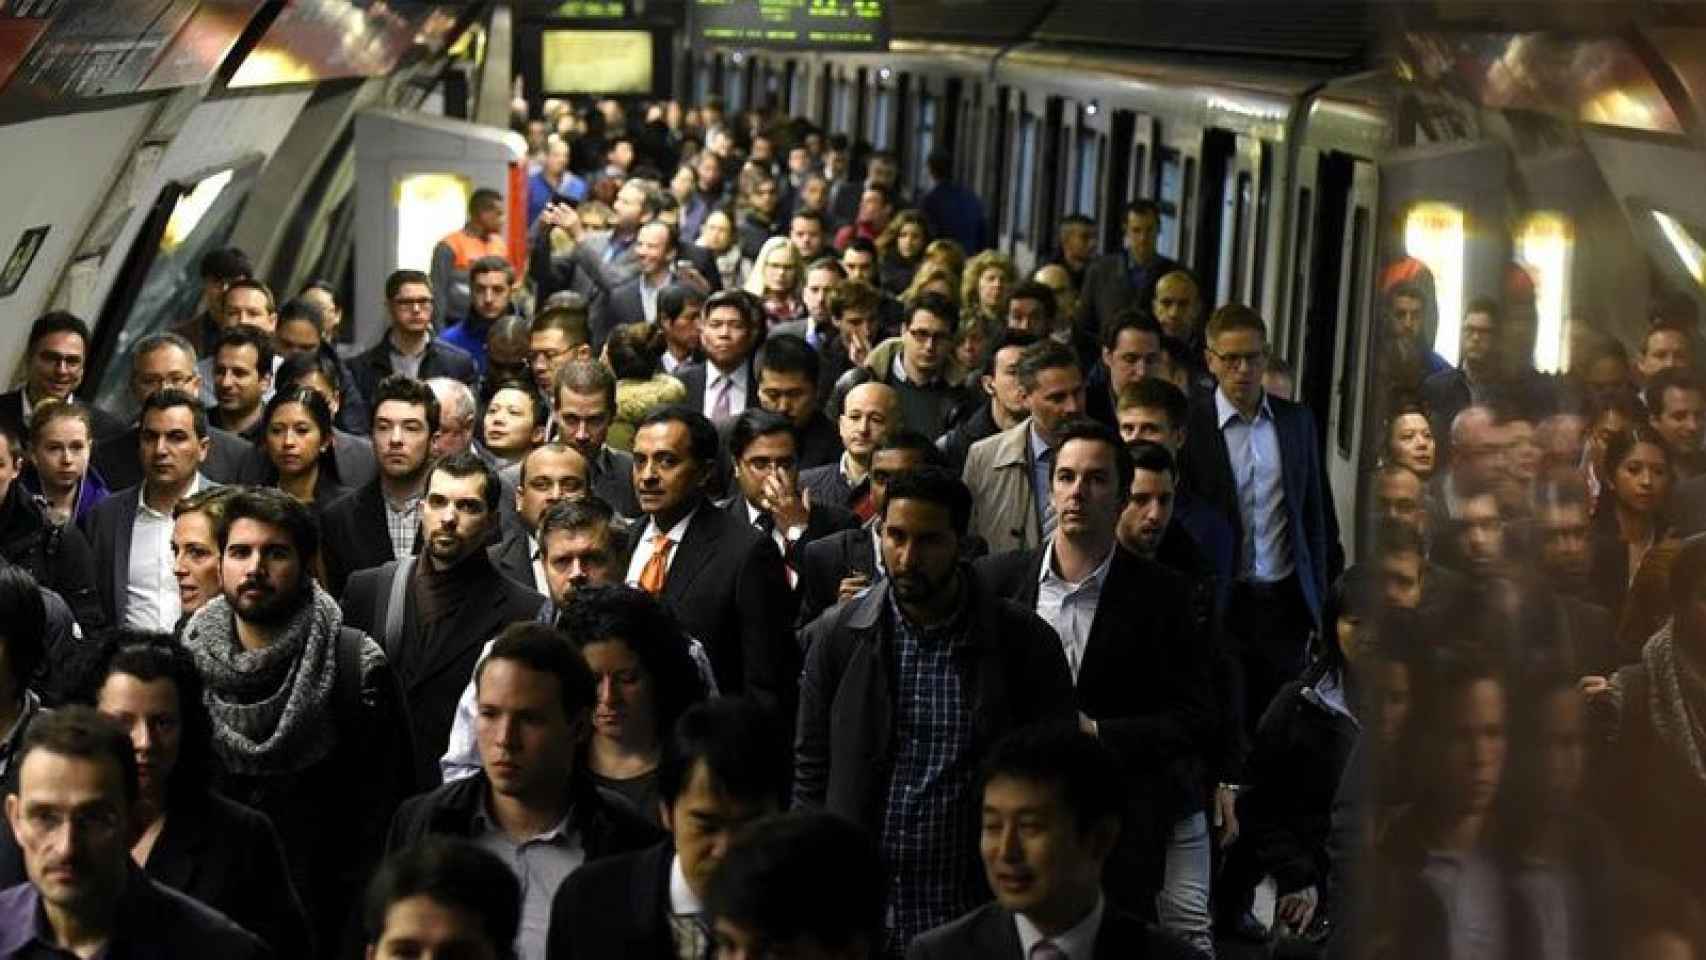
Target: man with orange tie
{"type": "Point", "coordinates": [722, 578]}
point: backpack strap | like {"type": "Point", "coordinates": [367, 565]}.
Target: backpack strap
{"type": "Point", "coordinates": [346, 688]}
{"type": "Point", "coordinates": [389, 604]}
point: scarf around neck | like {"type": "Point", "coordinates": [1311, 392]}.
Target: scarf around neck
{"type": "Point", "coordinates": [271, 707]}
{"type": "Point", "coordinates": [1676, 694]}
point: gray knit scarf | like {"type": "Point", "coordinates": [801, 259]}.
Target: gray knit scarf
{"type": "Point", "coordinates": [1676, 694]}
{"type": "Point", "coordinates": [271, 708]}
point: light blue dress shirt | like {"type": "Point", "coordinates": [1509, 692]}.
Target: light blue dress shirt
{"type": "Point", "coordinates": [1253, 448]}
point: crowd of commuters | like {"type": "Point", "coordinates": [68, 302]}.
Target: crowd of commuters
{"type": "Point", "coordinates": [759, 565]}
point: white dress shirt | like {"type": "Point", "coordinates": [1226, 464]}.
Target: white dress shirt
{"type": "Point", "coordinates": [1079, 943]}
{"type": "Point", "coordinates": [1253, 448]}
{"type": "Point", "coordinates": [540, 584]}
{"type": "Point", "coordinates": [643, 547]}
{"type": "Point", "coordinates": [151, 591]}
{"type": "Point", "coordinates": [716, 380]}
{"type": "Point", "coordinates": [1068, 607]}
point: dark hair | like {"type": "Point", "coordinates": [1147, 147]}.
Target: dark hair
{"type": "Point", "coordinates": [633, 350]}
{"type": "Point", "coordinates": [1686, 571]}
{"type": "Point", "coordinates": [1142, 207]}
{"type": "Point", "coordinates": [324, 286]}
{"type": "Point", "coordinates": [293, 369]}
{"type": "Point", "coordinates": [1076, 220]}
{"type": "Point", "coordinates": [1046, 354]}
{"type": "Point", "coordinates": [744, 752]}
{"type": "Point", "coordinates": [1153, 457]}
{"type": "Point", "coordinates": [250, 283]}
{"type": "Point", "coordinates": [816, 217]}
{"type": "Point", "coordinates": [298, 309]}
{"type": "Point", "coordinates": [568, 316]}
{"type": "Point", "coordinates": [940, 165]}
{"type": "Point", "coordinates": [276, 508]}
{"type": "Point", "coordinates": [808, 875]}
{"type": "Point", "coordinates": [395, 281]}
{"type": "Point", "coordinates": [226, 264]}
{"type": "Point", "coordinates": [541, 407]}
{"type": "Point", "coordinates": [582, 514]}
{"type": "Point", "coordinates": [76, 730]}
{"type": "Point", "coordinates": [492, 265]}
{"type": "Point", "coordinates": [1008, 339]}
{"type": "Point", "coordinates": [673, 299]}
{"type": "Point", "coordinates": [854, 295]}
{"type": "Point", "coordinates": [1652, 331]}
{"type": "Point", "coordinates": [244, 336]}
{"type": "Point", "coordinates": [756, 422]}
{"type": "Point", "coordinates": [750, 307]}
{"type": "Point", "coordinates": [483, 198]}
{"type": "Point", "coordinates": [933, 485]}
{"type": "Point", "coordinates": [585, 375]}
{"type": "Point", "coordinates": [703, 442]}
{"type": "Point", "coordinates": [540, 648]}
{"type": "Point", "coordinates": [1041, 293]}
{"type": "Point", "coordinates": [1156, 394]}
{"type": "Point", "coordinates": [634, 617]}
{"type": "Point", "coordinates": [1671, 378]}
{"type": "Point", "coordinates": [167, 398]}
{"type": "Point", "coordinates": [402, 389]}
{"type": "Point", "coordinates": [24, 614]}
{"type": "Point", "coordinates": [1080, 427]}
{"type": "Point", "coordinates": [1178, 351]}
{"type": "Point", "coordinates": [1131, 318]}
{"type": "Point", "coordinates": [156, 656]}
{"type": "Point", "coordinates": [1059, 755]}
{"type": "Point", "coordinates": [1483, 305]}
{"type": "Point", "coordinates": [937, 306]}
{"type": "Point", "coordinates": [860, 245]}
{"type": "Point", "coordinates": [454, 873]}
{"type": "Point", "coordinates": [311, 400]}
{"type": "Point", "coordinates": [468, 464]}
{"type": "Point", "coordinates": [787, 354]}
{"type": "Point", "coordinates": [903, 438]}
{"type": "Point", "coordinates": [57, 321]}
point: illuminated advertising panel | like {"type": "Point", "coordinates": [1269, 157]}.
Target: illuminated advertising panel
{"type": "Point", "coordinates": [790, 24]}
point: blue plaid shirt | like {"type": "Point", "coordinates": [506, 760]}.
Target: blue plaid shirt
{"type": "Point", "coordinates": [930, 822]}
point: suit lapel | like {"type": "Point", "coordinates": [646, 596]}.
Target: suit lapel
{"type": "Point", "coordinates": [1291, 447]}
{"type": "Point", "coordinates": [174, 857]}
{"type": "Point", "coordinates": [696, 549]}
{"type": "Point", "coordinates": [995, 934]}
{"type": "Point", "coordinates": [1111, 625]}
{"type": "Point", "coordinates": [121, 551]}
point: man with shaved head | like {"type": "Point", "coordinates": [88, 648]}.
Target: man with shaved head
{"type": "Point", "coordinates": [868, 413]}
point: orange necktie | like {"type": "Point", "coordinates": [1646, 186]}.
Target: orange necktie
{"type": "Point", "coordinates": [652, 574]}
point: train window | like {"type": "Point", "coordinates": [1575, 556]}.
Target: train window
{"type": "Point", "coordinates": [1238, 244]}
{"type": "Point", "coordinates": [1170, 192]}
{"type": "Point", "coordinates": [159, 282]}
{"type": "Point", "coordinates": [702, 80]}
{"type": "Point", "coordinates": [883, 103]}
{"type": "Point", "coordinates": [926, 139]}
{"type": "Point", "coordinates": [1353, 321]}
{"type": "Point", "coordinates": [1685, 243]}
{"type": "Point", "coordinates": [1434, 234]}
{"type": "Point", "coordinates": [734, 87]}
{"type": "Point", "coordinates": [1545, 247]}
{"type": "Point", "coordinates": [840, 110]}
{"type": "Point", "coordinates": [1090, 147]}
{"type": "Point", "coordinates": [1300, 264]}
{"type": "Point", "coordinates": [429, 206]}
{"type": "Point", "coordinates": [1025, 179]}
{"type": "Point", "coordinates": [1264, 189]}
{"type": "Point", "coordinates": [995, 126]}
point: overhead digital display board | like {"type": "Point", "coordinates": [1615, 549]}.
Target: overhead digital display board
{"type": "Point", "coordinates": [791, 24]}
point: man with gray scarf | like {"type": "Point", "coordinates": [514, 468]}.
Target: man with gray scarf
{"type": "Point", "coordinates": [309, 724]}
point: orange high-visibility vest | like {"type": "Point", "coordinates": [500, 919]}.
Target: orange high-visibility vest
{"type": "Point", "coordinates": [468, 249]}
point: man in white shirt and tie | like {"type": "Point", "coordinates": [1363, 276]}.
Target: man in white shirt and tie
{"type": "Point", "coordinates": [730, 332]}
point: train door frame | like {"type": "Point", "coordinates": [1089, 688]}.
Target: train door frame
{"type": "Point", "coordinates": [1053, 169]}
{"type": "Point", "coordinates": [1240, 223]}
{"type": "Point", "coordinates": [1142, 180]}
{"type": "Point", "coordinates": [968, 139]}
{"type": "Point", "coordinates": [1353, 348]}
{"type": "Point", "coordinates": [1026, 155]}
{"type": "Point", "coordinates": [1299, 244]}
{"type": "Point", "coordinates": [1091, 119]}
{"type": "Point", "coordinates": [1183, 141]}
{"type": "Point", "coordinates": [997, 127]}
{"type": "Point", "coordinates": [1318, 326]}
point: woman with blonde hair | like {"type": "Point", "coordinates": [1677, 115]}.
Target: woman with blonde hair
{"type": "Point", "coordinates": [931, 278]}
{"type": "Point", "coordinates": [985, 285]}
{"type": "Point", "coordinates": [900, 250]}
{"type": "Point", "coordinates": [776, 279]}
{"type": "Point", "coordinates": [949, 254]}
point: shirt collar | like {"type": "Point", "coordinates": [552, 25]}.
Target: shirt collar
{"type": "Point", "coordinates": [1039, 448]}
{"type": "Point", "coordinates": [1079, 943]}
{"type": "Point", "coordinates": [484, 822]}
{"type": "Point", "coordinates": [1224, 410]}
{"type": "Point", "coordinates": [674, 533]}
{"type": "Point", "coordinates": [196, 484]}
{"type": "Point", "coordinates": [683, 902]}
{"type": "Point", "coordinates": [1098, 576]}
{"type": "Point", "coordinates": [718, 373]}
{"type": "Point", "coordinates": [847, 466]}
{"type": "Point", "coordinates": [391, 344]}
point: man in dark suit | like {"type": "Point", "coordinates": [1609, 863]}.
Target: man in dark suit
{"type": "Point", "coordinates": [724, 766]}
{"type": "Point", "coordinates": [1092, 592]}
{"type": "Point", "coordinates": [839, 565]}
{"type": "Point", "coordinates": [788, 372]}
{"type": "Point", "coordinates": [904, 688]}
{"type": "Point", "coordinates": [634, 300]}
{"type": "Point", "coordinates": [131, 530]}
{"type": "Point", "coordinates": [159, 361]}
{"type": "Point", "coordinates": [409, 346]}
{"type": "Point", "coordinates": [432, 614]}
{"type": "Point", "coordinates": [1256, 459]}
{"type": "Point", "coordinates": [585, 395]}
{"type": "Point", "coordinates": [380, 522]}
{"type": "Point", "coordinates": [768, 496]}
{"type": "Point", "coordinates": [723, 579]}
{"type": "Point", "coordinates": [1116, 281]}
{"type": "Point", "coordinates": [55, 353]}
{"type": "Point", "coordinates": [550, 474]}
{"type": "Point", "coordinates": [730, 333]}
{"type": "Point", "coordinates": [1052, 814]}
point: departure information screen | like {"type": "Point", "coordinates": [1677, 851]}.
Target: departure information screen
{"type": "Point", "coordinates": [791, 24]}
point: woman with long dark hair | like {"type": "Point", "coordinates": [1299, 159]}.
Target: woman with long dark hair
{"type": "Point", "coordinates": [296, 435]}
{"type": "Point", "coordinates": [187, 836]}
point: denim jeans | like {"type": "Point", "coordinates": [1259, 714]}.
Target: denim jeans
{"type": "Point", "coordinates": [1182, 904]}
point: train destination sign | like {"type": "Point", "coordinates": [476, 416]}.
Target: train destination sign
{"type": "Point", "coordinates": [791, 24]}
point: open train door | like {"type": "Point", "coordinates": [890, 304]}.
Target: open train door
{"type": "Point", "coordinates": [1353, 341]}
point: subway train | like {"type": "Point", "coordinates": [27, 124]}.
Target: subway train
{"type": "Point", "coordinates": [1295, 152]}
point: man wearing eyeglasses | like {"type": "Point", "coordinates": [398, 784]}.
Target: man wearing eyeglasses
{"type": "Point", "coordinates": [1254, 457]}
{"type": "Point", "coordinates": [57, 353]}
{"type": "Point", "coordinates": [409, 347]}
{"type": "Point", "coordinates": [157, 362]}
